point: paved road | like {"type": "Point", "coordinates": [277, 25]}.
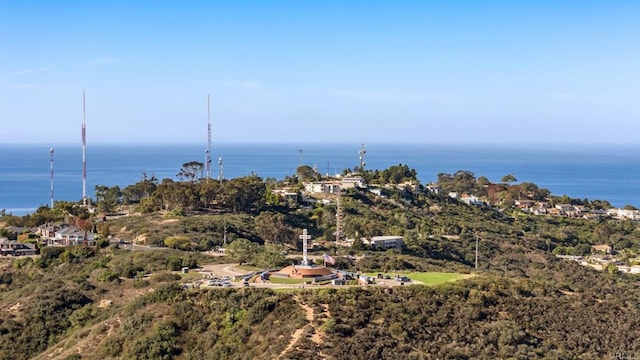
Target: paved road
{"type": "Point", "coordinates": [222, 270]}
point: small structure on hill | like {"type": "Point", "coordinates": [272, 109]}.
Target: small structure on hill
{"type": "Point", "coordinates": [386, 242]}
{"type": "Point", "coordinates": [16, 248]}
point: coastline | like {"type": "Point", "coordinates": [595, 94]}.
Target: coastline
{"type": "Point", "coordinates": [602, 172]}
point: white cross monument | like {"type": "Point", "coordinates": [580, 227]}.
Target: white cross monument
{"type": "Point", "coordinates": [304, 237]}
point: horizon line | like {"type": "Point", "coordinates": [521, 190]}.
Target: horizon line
{"type": "Point", "coordinates": [580, 145]}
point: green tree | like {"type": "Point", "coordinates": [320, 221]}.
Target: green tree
{"type": "Point", "coordinates": [508, 179]}
{"type": "Point", "coordinates": [242, 251]}
{"type": "Point", "coordinates": [244, 194]}
{"type": "Point", "coordinates": [140, 190]}
{"type": "Point", "coordinates": [178, 242]}
{"type": "Point", "coordinates": [270, 256]}
{"type": "Point", "coordinates": [306, 173]}
{"type": "Point", "coordinates": [483, 180]}
{"type": "Point", "coordinates": [107, 198]}
{"type": "Point", "coordinates": [210, 192]}
{"type": "Point", "coordinates": [272, 227]}
{"type": "Point", "coordinates": [191, 171]}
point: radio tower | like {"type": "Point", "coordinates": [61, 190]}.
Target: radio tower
{"type": "Point", "coordinates": [221, 175]}
{"type": "Point", "coordinates": [51, 152]}
{"type": "Point", "coordinates": [300, 158]}
{"type": "Point", "coordinates": [339, 217]}
{"type": "Point", "coordinates": [84, 152]}
{"type": "Point", "coordinates": [208, 152]}
{"type": "Point", "coordinates": [362, 162]}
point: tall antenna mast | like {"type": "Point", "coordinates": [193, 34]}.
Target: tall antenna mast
{"type": "Point", "coordinates": [476, 236]}
{"type": "Point", "coordinates": [221, 175]}
{"type": "Point", "coordinates": [339, 217]}
{"type": "Point", "coordinates": [51, 152]}
{"type": "Point", "coordinates": [208, 152]}
{"type": "Point", "coordinates": [84, 152]}
{"type": "Point", "coordinates": [362, 162]}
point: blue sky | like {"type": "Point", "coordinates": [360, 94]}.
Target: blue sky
{"type": "Point", "coordinates": [317, 71]}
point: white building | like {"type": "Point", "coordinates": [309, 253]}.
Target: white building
{"type": "Point", "coordinates": [286, 194]}
{"type": "Point", "coordinates": [471, 200]}
{"type": "Point", "coordinates": [322, 187]}
{"type": "Point", "coordinates": [624, 214]}
{"type": "Point", "coordinates": [434, 189]}
{"type": "Point", "coordinates": [387, 242]}
{"type": "Point", "coordinates": [350, 182]}
{"type": "Point", "coordinates": [72, 235]}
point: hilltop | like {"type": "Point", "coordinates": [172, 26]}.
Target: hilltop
{"type": "Point", "coordinates": [523, 302]}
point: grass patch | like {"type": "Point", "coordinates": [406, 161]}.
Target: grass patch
{"type": "Point", "coordinates": [249, 268]}
{"type": "Point", "coordinates": [428, 278]}
{"type": "Point", "coordinates": [434, 278]}
{"type": "Point", "coordinates": [279, 280]}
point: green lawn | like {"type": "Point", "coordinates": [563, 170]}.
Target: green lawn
{"type": "Point", "coordinates": [428, 278]}
{"type": "Point", "coordinates": [280, 280]}
{"type": "Point", "coordinates": [434, 278]}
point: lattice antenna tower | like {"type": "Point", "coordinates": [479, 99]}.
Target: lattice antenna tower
{"type": "Point", "coordinates": [224, 233]}
{"type": "Point", "coordinates": [300, 157]}
{"type": "Point", "coordinates": [207, 159]}
{"type": "Point", "coordinates": [84, 151]}
{"type": "Point", "coordinates": [51, 152]}
{"type": "Point", "coordinates": [221, 174]}
{"type": "Point", "coordinates": [339, 217]}
{"type": "Point", "coordinates": [361, 154]}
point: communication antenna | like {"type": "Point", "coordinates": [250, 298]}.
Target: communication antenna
{"type": "Point", "coordinates": [339, 217]}
{"type": "Point", "coordinates": [208, 152]}
{"type": "Point", "coordinates": [51, 152]}
{"type": "Point", "coordinates": [476, 236]}
{"type": "Point", "coordinates": [362, 152]}
{"type": "Point", "coordinates": [84, 152]}
{"type": "Point", "coordinates": [221, 175]}
{"type": "Point", "coordinates": [300, 158]}
{"type": "Point", "coordinates": [224, 233]}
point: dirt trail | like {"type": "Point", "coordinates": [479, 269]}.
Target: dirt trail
{"type": "Point", "coordinates": [81, 344]}
{"type": "Point", "coordinates": [317, 329]}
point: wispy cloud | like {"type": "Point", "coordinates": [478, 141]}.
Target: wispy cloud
{"type": "Point", "coordinates": [561, 96]}
{"type": "Point", "coordinates": [104, 60]}
{"type": "Point", "coordinates": [23, 72]}
{"type": "Point", "coordinates": [250, 85]}
{"type": "Point", "coordinates": [243, 84]}
{"type": "Point", "coordinates": [393, 96]}
{"type": "Point", "coordinates": [24, 86]}
{"type": "Point", "coordinates": [364, 95]}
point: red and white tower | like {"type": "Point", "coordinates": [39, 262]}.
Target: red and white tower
{"type": "Point", "coordinates": [84, 152]}
{"type": "Point", "coordinates": [51, 152]}
{"type": "Point", "coordinates": [208, 152]}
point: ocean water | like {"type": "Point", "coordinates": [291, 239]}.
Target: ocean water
{"type": "Point", "coordinates": [602, 172]}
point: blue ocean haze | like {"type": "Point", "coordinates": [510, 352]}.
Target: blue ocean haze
{"type": "Point", "coordinates": [593, 172]}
